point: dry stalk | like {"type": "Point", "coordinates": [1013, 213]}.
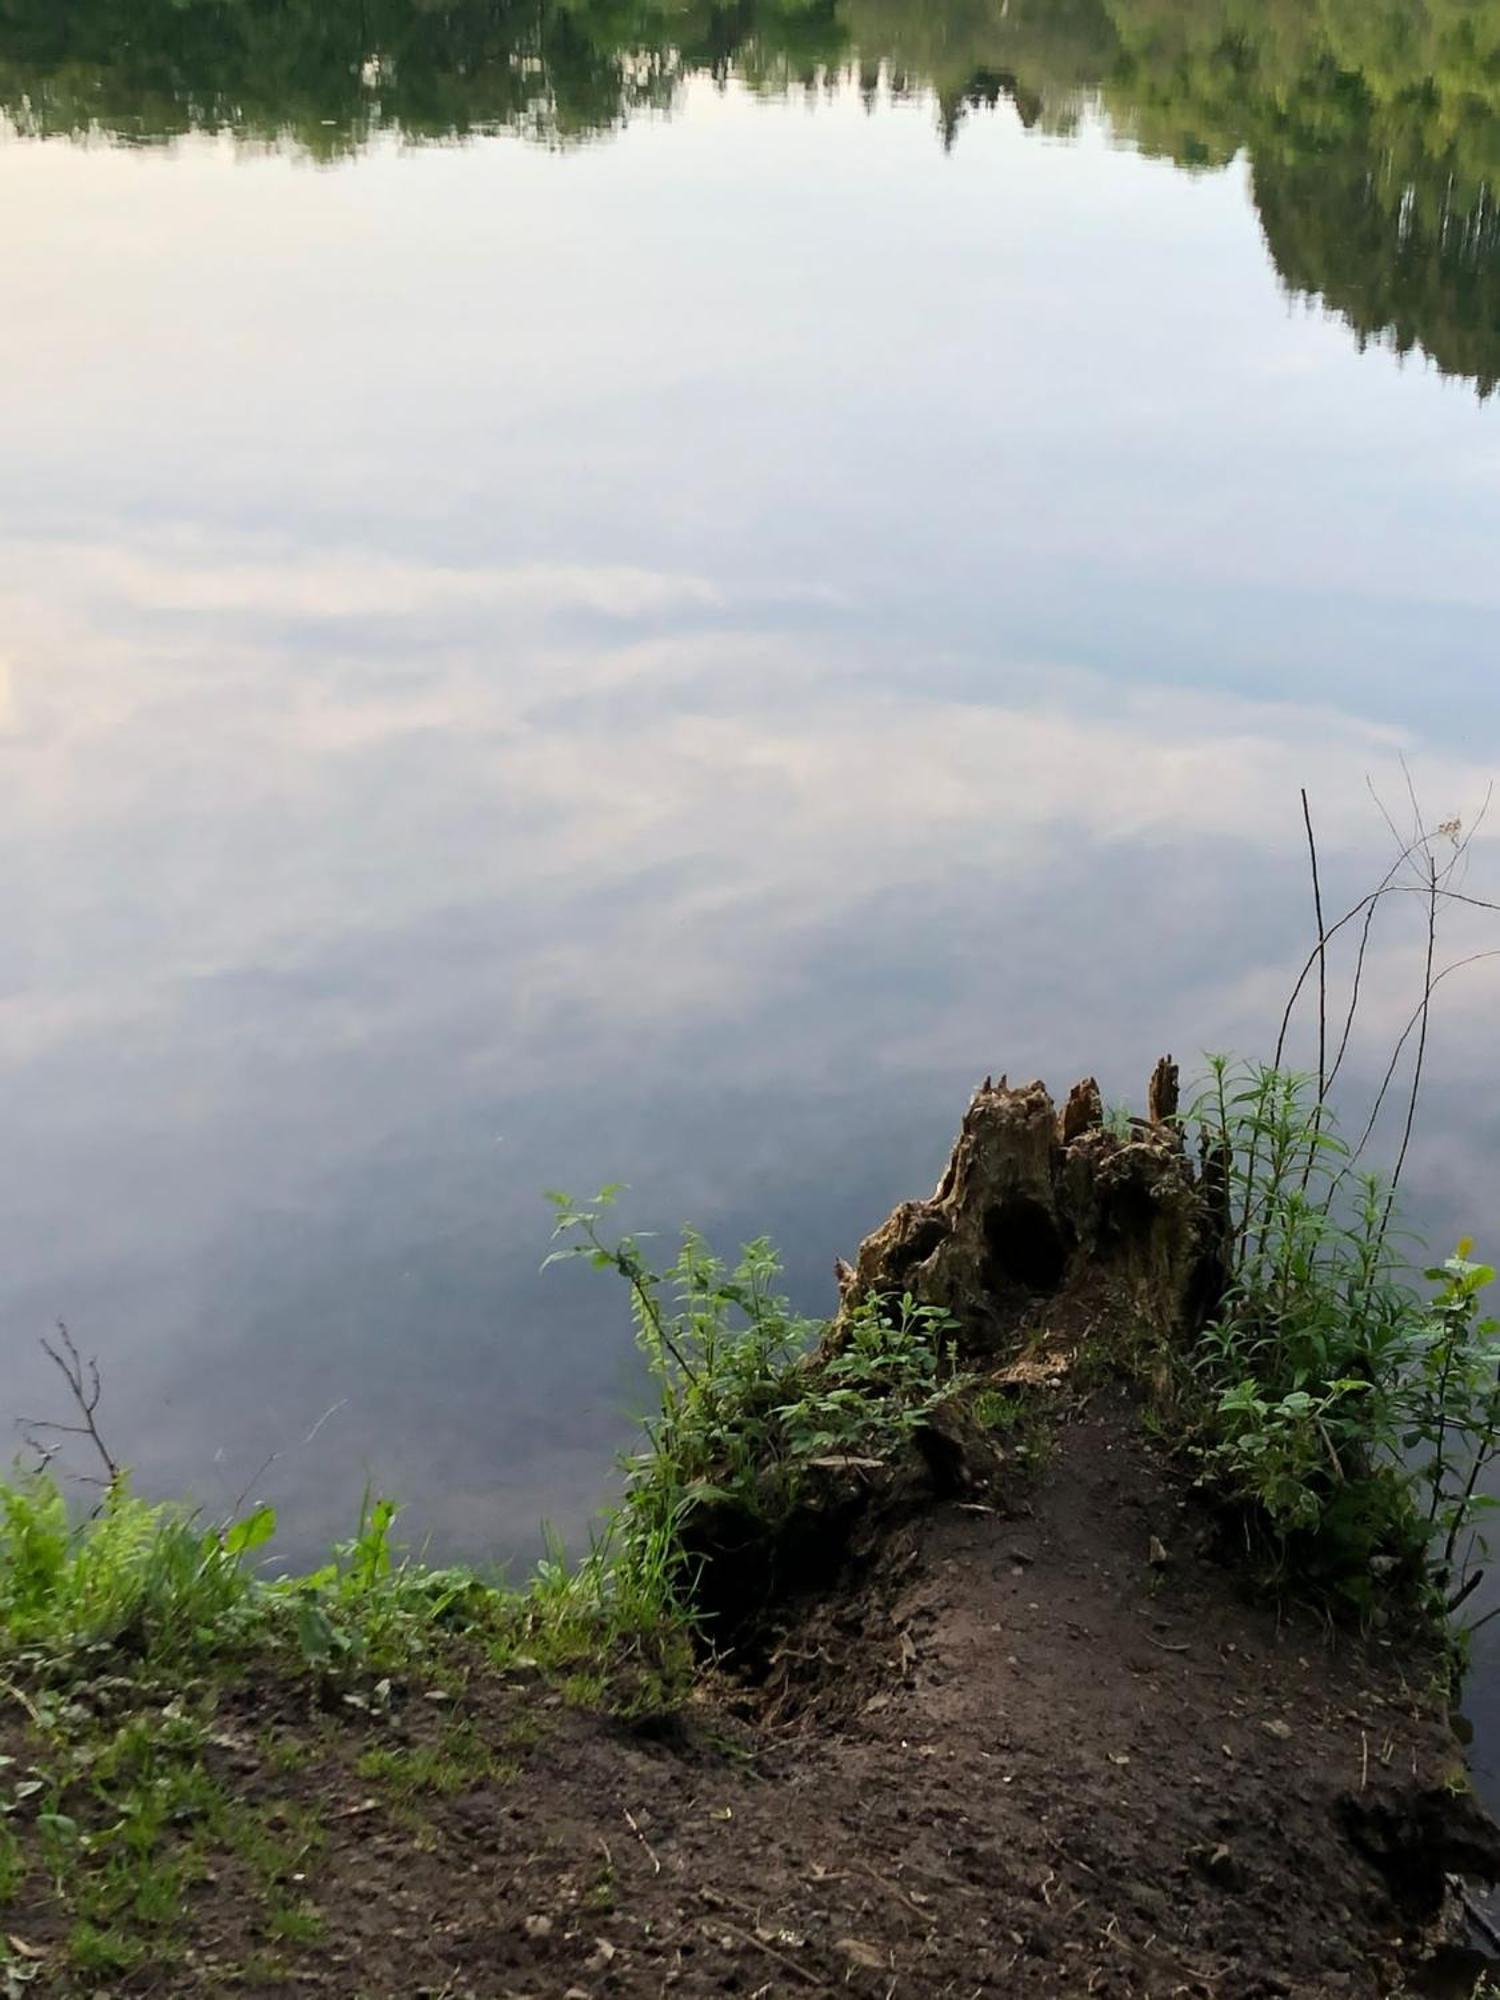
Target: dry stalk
{"type": "Point", "coordinates": [82, 1378]}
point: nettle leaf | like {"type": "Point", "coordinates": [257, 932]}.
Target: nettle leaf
{"type": "Point", "coordinates": [253, 1532]}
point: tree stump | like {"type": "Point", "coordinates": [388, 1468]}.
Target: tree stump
{"type": "Point", "coordinates": [1048, 1219]}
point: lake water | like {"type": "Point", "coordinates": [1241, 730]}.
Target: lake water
{"type": "Point", "coordinates": [588, 604]}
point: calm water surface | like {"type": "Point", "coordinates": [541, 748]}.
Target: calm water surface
{"type": "Point", "coordinates": [578, 610]}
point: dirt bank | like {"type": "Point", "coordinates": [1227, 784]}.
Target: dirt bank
{"type": "Point", "coordinates": [990, 1717]}
{"type": "Point", "coordinates": [1040, 1748]}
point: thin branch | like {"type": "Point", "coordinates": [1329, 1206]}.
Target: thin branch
{"type": "Point", "coordinates": [273, 1457]}
{"type": "Point", "coordinates": [1458, 965]}
{"type": "Point", "coordinates": [1411, 793]}
{"type": "Point", "coordinates": [1472, 832]}
{"type": "Point", "coordinates": [1449, 896]}
{"type": "Point", "coordinates": [1354, 992]}
{"type": "Point", "coordinates": [1416, 1075]}
{"type": "Point", "coordinates": [82, 1378]}
{"type": "Point", "coordinates": [1317, 888]}
{"type": "Point", "coordinates": [1373, 904]}
{"type": "Point", "coordinates": [1407, 847]}
{"type": "Point", "coordinates": [1364, 907]}
{"type": "Point", "coordinates": [1388, 887]}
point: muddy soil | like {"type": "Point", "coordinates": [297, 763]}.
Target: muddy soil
{"type": "Point", "coordinates": [1037, 1749]}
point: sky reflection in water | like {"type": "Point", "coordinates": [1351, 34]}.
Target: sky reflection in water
{"type": "Point", "coordinates": [661, 662]}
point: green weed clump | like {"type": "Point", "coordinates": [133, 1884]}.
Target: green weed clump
{"type": "Point", "coordinates": [1352, 1414]}
{"type": "Point", "coordinates": [123, 1633]}
{"type": "Point", "coordinates": [752, 1400]}
{"type": "Point", "coordinates": [373, 1608]}
{"type": "Point", "coordinates": [142, 1578]}
{"type": "Point", "coordinates": [162, 1592]}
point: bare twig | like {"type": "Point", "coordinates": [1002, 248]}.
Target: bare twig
{"type": "Point", "coordinates": [23, 1700]}
{"type": "Point", "coordinates": [274, 1457]}
{"type": "Point", "coordinates": [651, 1854]}
{"type": "Point", "coordinates": [1458, 965]}
{"type": "Point", "coordinates": [790, 1964]}
{"type": "Point", "coordinates": [1366, 907]}
{"type": "Point", "coordinates": [82, 1378]}
{"type": "Point", "coordinates": [1411, 793]}
{"type": "Point", "coordinates": [1475, 1577]}
{"type": "Point", "coordinates": [891, 1889]}
{"type": "Point", "coordinates": [1436, 883]}
{"type": "Point", "coordinates": [1317, 888]}
{"type": "Point", "coordinates": [1373, 904]}
{"type": "Point", "coordinates": [1426, 1015]}
{"type": "Point", "coordinates": [1366, 903]}
{"type": "Point", "coordinates": [1396, 835]}
{"type": "Point", "coordinates": [1450, 896]}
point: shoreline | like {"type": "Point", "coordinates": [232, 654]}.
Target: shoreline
{"type": "Point", "coordinates": [1033, 1740]}
{"type": "Point", "coordinates": [918, 1660]}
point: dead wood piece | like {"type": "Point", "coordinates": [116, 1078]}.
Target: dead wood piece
{"type": "Point", "coordinates": [1043, 1221]}
{"type": "Point", "coordinates": [1164, 1093]}
{"type": "Point", "coordinates": [1083, 1111]}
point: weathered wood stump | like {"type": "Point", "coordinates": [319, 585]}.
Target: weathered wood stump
{"type": "Point", "coordinates": [1054, 1218]}
{"type": "Point", "coordinates": [1047, 1228]}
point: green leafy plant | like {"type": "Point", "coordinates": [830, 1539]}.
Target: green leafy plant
{"type": "Point", "coordinates": [374, 1608]}
{"type": "Point", "coordinates": [1449, 1410]}
{"type": "Point", "coordinates": [751, 1396]}
{"type": "Point", "coordinates": [1354, 1418]}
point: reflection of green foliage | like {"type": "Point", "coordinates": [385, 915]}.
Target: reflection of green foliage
{"type": "Point", "coordinates": [1373, 125]}
{"type": "Point", "coordinates": [1394, 272]}
{"type": "Point", "coordinates": [1374, 130]}
{"type": "Point", "coordinates": [329, 75]}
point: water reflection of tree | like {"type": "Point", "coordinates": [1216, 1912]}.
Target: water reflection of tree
{"type": "Point", "coordinates": [328, 76]}
{"type": "Point", "coordinates": [1340, 231]}
{"type": "Point", "coordinates": [1373, 125]}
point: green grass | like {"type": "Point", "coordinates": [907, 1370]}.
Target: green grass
{"type": "Point", "coordinates": [1019, 1420]}
{"type": "Point", "coordinates": [104, 1954]}
{"type": "Point", "coordinates": [457, 1762]}
{"type": "Point", "coordinates": [12, 1866]}
{"type": "Point", "coordinates": [296, 1924]}
{"type": "Point", "coordinates": [599, 1897]}
{"type": "Point", "coordinates": [261, 1968]}
{"type": "Point", "coordinates": [284, 1753]}
{"type": "Point", "coordinates": [275, 1842]}
{"type": "Point", "coordinates": [749, 1403]}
